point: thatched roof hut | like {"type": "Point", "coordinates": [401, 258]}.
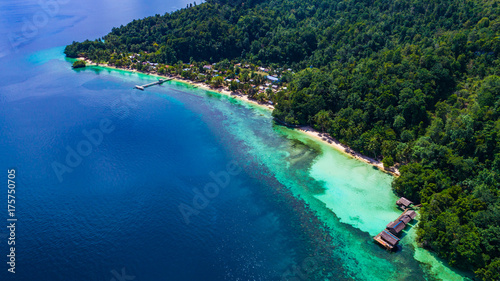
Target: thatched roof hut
{"type": "Point", "coordinates": [403, 203]}
{"type": "Point", "coordinates": [411, 214]}
{"type": "Point", "coordinates": [406, 219]}
{"type": "Point", "coordinates": [389, 238]}
{"type": "Point", "coordinates": [396, 227]}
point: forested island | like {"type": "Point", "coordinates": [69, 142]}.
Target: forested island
{"type": "Point", "coordinates": [412, 83]}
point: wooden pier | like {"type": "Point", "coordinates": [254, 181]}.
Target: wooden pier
{"type": "Point", "coordinates": [159, 82]}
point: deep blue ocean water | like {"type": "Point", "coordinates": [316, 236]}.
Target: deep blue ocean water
{"type": "Point", "coordinates": [128, 205]}
{"type": "Point", "coordinates": [119, 207]}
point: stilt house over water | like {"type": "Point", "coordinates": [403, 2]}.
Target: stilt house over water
{"type": "Point", "coordinates": [404, 203]}
{"type": "Point", "coordinates": [388, 237]}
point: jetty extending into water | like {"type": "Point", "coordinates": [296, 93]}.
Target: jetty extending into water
{"type": "Point", "coordinates": [389, 236]}
{"type": "Point", "coordinates": [159, 82]}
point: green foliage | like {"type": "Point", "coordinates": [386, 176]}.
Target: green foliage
{"type": "Point", "coordinates": [491, 271]}
{"type": "Point", "coordinates": [233, 86]}
{"type": "Point", "coordinates": [388, 161]}
{"type": "Point", "coordinates": [217, 81]}
{"type": "Point", "coordinates": [79, 64]}
{"type": "Point", "coordinates": [415, 82]}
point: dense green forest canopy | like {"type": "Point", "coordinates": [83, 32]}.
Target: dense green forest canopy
{"type": "Point", "coordinates": [415, 82]}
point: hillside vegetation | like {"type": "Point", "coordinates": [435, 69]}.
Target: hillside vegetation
{"type": "Point", "coordinates": [414, 82]}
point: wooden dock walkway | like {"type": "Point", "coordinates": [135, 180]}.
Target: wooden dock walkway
{"type": "Point", "coordinates": [159, 82]}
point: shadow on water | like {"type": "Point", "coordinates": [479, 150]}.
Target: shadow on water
{"type": "Point", "coordinates": [93, 69]}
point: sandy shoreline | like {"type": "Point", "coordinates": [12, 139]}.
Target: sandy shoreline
{"type": "Point", "coordinates": [325, 138]}
{"type": "Point", "coordinates": [177, 78]}
{"type": "Point", "coordinates": [322, 137]}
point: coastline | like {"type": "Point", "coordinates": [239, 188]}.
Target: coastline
{"type": "Point", "coordinates": [325, 138]}
{"type": "Point", "coordinates": [308, 130]}
{"type": "Point", "coordinates": [177, 78]}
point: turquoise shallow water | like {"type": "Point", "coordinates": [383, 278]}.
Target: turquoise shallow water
{"type": "Point", "coordinates": [357, 193]}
